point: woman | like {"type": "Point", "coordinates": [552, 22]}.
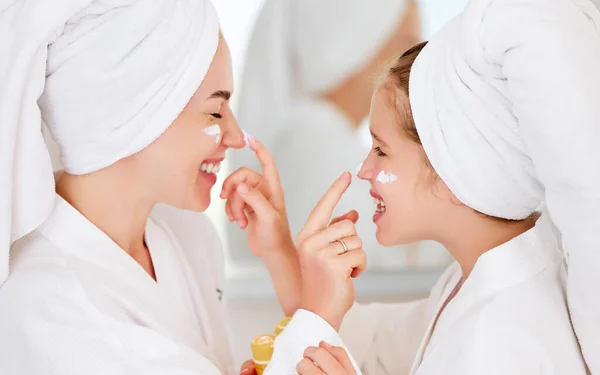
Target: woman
{"type": "Point", "coordinates": [307, 87]}
{"type": "Point", "coordinates": [136, 95]}
{"type": "Point", "coordinates": [466, 146]}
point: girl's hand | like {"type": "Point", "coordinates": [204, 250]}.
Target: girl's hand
{"type": "Point", "coordinates": [330, 256]}
{"type": "Point", "coordinates": [325, 360]}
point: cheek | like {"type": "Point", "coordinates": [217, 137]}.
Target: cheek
{"type": "Point", "coordinates": [398, 185]}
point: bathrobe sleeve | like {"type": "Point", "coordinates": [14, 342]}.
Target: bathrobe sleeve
{"type": "Point", "coordinates": [550, 59]}
{"type": "Point", "coordinates": [304, 330]}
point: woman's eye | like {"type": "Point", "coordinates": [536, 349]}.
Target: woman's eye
{"type": "Point", "coordinates": [379, 152]}
{"type": "Point", "coordinates": [216, 115]}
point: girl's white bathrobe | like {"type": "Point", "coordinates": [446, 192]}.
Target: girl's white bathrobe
{"type": "Point", "coordinates": [509, 317]}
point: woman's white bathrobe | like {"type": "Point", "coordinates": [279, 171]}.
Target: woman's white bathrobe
{"type": "Point", "coordinates": [75, 303]}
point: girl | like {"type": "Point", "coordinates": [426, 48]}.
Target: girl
{"type": "Point", "coordinates": [463, 130]}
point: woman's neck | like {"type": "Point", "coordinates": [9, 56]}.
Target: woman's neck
{"type": "Point", "coordinates": [467, 242]}
{"type": "Point", "coordinates": [114, 206]}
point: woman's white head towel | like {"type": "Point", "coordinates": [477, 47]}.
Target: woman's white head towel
{"type": "Point", "coordinates": [106, 76]}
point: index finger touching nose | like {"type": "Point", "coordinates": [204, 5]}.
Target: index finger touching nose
{"type": "Point", "coordinates": [267, 162]}
{"type": "Point", "coordinates": [321, 214]}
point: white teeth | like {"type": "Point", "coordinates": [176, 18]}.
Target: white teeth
{"type": "Point", "coordinates": [380, 205]}
{"type": "Point", "coordinates": [378, 202]}
{"type": "Point", "coordinates": [210, 168]}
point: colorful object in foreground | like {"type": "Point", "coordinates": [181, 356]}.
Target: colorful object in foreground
{"type": "Point", "coordinates": [262, 351]}
{"type": "Point", "coordinates": [281, 326]}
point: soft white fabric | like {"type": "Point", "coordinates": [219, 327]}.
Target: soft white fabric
{"type": "Point", "coordinates": [106, 77]}
{"type": "Point", "coordinates": [305, 329]}
{"type": "Point", "coordinates": [509, 317]}
{"type": "Point", "coordinates": [505, 99]}
{"type": "Point", "coordinates": [298, 50]}
{"type": "Point", "coordinates": [75, 303]}
{"type": "Point", "coordinates": [383, 337]}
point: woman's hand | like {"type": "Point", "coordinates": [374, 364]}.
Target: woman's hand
{"type": "Point", "coordinates": [325, 360]}
{"type": "Point", "coordinates": [256, 202]}
{"type": "Point", "coordinates": [330, 256]}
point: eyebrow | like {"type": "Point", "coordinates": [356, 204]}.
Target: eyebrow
{"type": "Point", "coordinates": [221, 94]}
{"type": "Point", "coordinates": [375, 137]}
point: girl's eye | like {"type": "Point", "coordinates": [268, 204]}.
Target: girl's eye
{"type": "Point", "coordinates": [216, 115]}
{"type": "Point", "coordinates": [379, 152]}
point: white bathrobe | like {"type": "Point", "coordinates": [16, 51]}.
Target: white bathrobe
{"type": "Point", "coordinates": [509, 317]}
{"type": "Point", "coordinates": [75, 303]}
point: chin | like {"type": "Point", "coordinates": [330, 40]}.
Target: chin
{"type": "Point", "coordinates": [384, 239]}
{"type": "Point", "coordinates": [199, 204]}
{"type": "Point", "coordinates": [393, 237]}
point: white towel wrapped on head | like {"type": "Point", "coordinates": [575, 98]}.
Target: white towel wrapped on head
{"type": "Point", "coordinates": [107, 77]}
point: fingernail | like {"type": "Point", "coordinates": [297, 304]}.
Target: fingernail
{"type": "Point", "coordinates": [248, 139]}
{"type": "Point", "coordinates": [326, 345]}
{"type": "Point", "coordinates": [345, 176]}
{"type": "Point", "coordinates": [242, 188]}
{"type": "Point", "coordinates": [246, 136]}
{"type": "Point", "coordinates": [240, 224]}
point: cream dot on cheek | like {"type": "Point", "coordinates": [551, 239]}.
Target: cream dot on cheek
{"type": "Point", "coordinates": [213, 131]}
{"type": "Point", "coordinates": [386, 177]}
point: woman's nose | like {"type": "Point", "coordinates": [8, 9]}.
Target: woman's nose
{"type": "Point", "coordinates": [366, 169]}
{"type": "Point", "coordinates": [233, 136]}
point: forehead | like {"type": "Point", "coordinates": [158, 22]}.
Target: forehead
{"type": "Point", "coordinates": [220, 75]}
{"type": "Point", "coordinates": [387, 110]}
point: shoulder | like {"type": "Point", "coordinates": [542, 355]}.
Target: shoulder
{"type": "Point", "coordinates": [36, 266]}
{"type": "Point", "coordinates": [521, 333]}
{"type": "Point", "coordinates": [46, 314]}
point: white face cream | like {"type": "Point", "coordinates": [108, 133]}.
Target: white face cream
{"type": "Point", "coordinates": [213, 131]}
{"type": "Point", "coordinates": [386, 177]}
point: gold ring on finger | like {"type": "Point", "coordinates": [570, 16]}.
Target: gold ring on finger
{"type": "Point", "coordinates": [344, 246]}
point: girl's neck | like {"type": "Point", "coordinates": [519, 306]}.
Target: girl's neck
{"type": "Point", "coordinates": [469, 240]}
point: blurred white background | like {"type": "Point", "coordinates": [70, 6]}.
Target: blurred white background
{"type": "Point", "coordinates": [393, 276]}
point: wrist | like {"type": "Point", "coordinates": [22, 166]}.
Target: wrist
{"type": "Point", "coordinates": [285, 250]}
